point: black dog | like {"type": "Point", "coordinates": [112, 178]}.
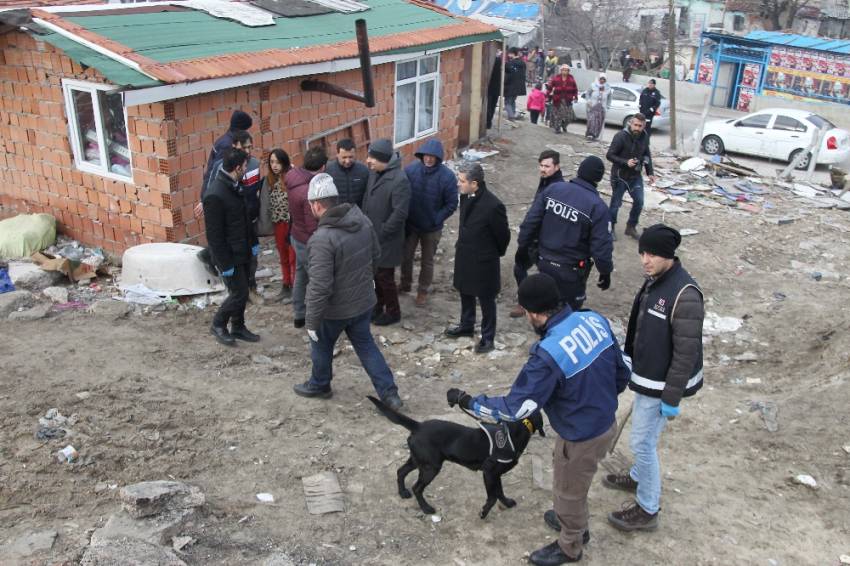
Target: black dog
{"type": "Point", "coordinates": [433, 442]}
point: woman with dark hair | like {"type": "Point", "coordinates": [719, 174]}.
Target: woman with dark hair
{"type": "Point", "coordinates": [278, 165]}
{"type": "Point", "coordinates": [483, 238]}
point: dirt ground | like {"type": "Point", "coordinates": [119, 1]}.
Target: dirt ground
{"type": "Point", "coordinates": [157, 398]}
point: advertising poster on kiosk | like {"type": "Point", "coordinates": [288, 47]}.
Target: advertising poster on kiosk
{"type": "Point", "coordinates": [800, 74]}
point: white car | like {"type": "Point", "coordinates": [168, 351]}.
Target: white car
{"type": "Point", "coordinates": [777, 133]}
{"type": "Point", "coordinates": [624, 105]}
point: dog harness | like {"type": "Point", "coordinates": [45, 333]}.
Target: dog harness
{"type": "Point", "coordinates": [502, 448]}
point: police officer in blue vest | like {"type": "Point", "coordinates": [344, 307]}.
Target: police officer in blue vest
{"type": "Point", "coordinates": [574, 373]}
{"type": "Point", "coordinates": [570, 221]}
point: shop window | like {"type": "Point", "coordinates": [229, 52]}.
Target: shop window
{"type": "Point", "coordinates": [416, 87]}
{"type": "Point", "coordinates": [738, 22]}
{"type": "Point", "coordinates": [98, 129]}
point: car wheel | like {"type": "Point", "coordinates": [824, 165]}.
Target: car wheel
{"type": "Point", "coordinates": [712, 145]}
{"type": "Point", "coordinates": [804, 162]}
{"type": "Point", "coordinates": [626, 121]}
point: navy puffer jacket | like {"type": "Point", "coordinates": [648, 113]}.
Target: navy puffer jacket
{"type": "Point", "coordinates": [433, 190]}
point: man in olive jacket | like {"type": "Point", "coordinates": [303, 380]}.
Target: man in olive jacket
{"type": "Point", "coordinates": [341, 253]}
{"type": "Point", "coordinates": [664, 340]}
{"type": "Point", "coordinates": [386, 204]}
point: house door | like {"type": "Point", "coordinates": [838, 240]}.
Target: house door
{"type": "Point", "coordinates": [724, 90]}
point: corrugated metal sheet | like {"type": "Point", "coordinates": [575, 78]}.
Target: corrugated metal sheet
{"type": "Point", "coordinates": [801, 41]}
{"type": "Point", "coordinates": [345, 6]}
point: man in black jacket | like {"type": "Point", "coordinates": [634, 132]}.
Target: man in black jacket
{"type": "Point", "coordinates": [232, 244]}
{"type": "Point", "coordinates": [629, 152]}
{"type": "Point", "coordinates": [349, 175]}
{"type": "Point", "coordinates": [664, 340]}
{"type": "Point", "coordinates": [650, 101]}
{"type": "Point", "coordinates": [515, 71]}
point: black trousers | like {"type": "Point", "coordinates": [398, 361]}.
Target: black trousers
{"type": "Point", "coordinates": [232, 310]}
{"type": "Point", "coordinates": [571, 280]}
{"type": "Point", "coordinates": [492, 101]}
{"type": "Point", "coordinates": [488, 314]}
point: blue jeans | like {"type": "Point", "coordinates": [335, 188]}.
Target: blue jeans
{"type": "Point", "coordinates": [647, 424]}
{"type": "Point", "coordinates": [635, 188]}
{"type": "Point", "coordinates": [299, 286]}
{"type": "Point", "coordinates": [359, 334]}
{"type": "Point", "coordinates": [510, 106]}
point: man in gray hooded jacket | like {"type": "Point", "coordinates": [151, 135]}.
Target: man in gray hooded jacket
{"type": "Point", "coordinates": [386, 204]}
{"type": "Point", "coordinates": [340, 298]}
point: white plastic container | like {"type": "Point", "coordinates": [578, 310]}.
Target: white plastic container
{"type": "Point", "coordinates": [168, 269]}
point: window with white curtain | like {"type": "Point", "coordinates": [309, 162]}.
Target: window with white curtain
{"type": "Point", "coordinates": [416, 87]}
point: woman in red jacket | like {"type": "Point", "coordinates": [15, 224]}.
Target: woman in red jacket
{"type": "Point", "coordinates": [564, 92]}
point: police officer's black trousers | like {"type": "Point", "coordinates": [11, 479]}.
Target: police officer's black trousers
{"type": "Point", "coordinates": [571, 280]}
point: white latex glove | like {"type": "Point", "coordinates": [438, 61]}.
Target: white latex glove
{"type": "Point", "coordinates": [313, 335]}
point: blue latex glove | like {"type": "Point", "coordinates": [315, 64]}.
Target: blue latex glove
{"type": "Point", "coordinates": [669, 411]}
{"type": "Point", "coordinates": [255, 250]}
{"type": "Point", "coordinates": [228, 272]}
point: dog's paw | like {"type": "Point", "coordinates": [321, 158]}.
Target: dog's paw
{"type": "Point", "coordinates": [428, 510]}
{"type": "Point", "coordinates": [507, 502]}
{"type": "Point", "coordinates": [405, 493]}
{"type": "Point", "coordinates": [483, 514]}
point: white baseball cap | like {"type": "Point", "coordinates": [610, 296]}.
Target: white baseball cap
{"type": "Point", "coordinates": [322, 186]}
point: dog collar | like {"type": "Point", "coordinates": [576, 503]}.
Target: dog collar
{"type": "Point", "coordinates": [528, 425]}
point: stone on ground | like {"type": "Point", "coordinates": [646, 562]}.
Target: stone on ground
{"type": "Point", "coordinates": [28, 544]}
{"type": "Point", "coordinates": [36, 313]}
{"type": "Point", "coordinates": [129, 552]}
{"type": "Point", "coordinates": [151, 497]}
{"type": "Point", "coordinates": [14, 300]}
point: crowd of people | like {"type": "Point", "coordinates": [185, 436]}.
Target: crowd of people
{"type": "Point", "coordinates": [341, 228]}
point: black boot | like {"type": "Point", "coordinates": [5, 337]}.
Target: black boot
{"type": "Point", "coordinates": [222, 335]}
{"type": "Point", "coordinates": [551, 555]}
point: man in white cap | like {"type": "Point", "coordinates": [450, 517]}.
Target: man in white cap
{"type": "Point", "coordinates": [343, 253]}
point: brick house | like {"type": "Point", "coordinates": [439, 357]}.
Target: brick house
{"type": "Point", "coordinates": [108, 112]}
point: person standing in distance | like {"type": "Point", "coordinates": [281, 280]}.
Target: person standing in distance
{"type": "Point", "coordinates": [577, 385]}
{"type": "Point", "coordinates": [664, 340]}
{"type": "Point", "coordinates": [232, 244]}
{"type": "Point", "coordinates": [342, 252]}
{"type": "Point", "coordinates": [483, 237]}
{"type": "Point", "coordinates": [649, 103]}
{"type": "Point", "coordinates": [515, 71]}
{"type": "Point", "coordinates": [629, 153]}
{"type": "Point", "coordinates": [569, 224]}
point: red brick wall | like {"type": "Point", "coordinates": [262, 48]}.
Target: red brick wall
{"type": "Point", "coordinates": [169, 141]}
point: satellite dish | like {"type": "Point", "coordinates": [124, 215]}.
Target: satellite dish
{"type": "Point", "coordinates": [586, 7]}
{"type": "Point", "coordinates": [464, 4]}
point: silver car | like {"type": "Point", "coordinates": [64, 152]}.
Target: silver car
{"type": "Point", "coordinates": [624, 105]}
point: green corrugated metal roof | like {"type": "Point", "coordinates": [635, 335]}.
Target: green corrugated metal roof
{"type": "Point", "coordinates": [174, 36]}
{"type": "Point", "coordinates": [115, 72]}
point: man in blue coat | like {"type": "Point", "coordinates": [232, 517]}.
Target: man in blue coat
{"type": "Point", "coordinates": [433, 199]}
{"type": "Point", "coordinates": [570, 223]}
{"type": "Point", "coordinates": [574, 373]}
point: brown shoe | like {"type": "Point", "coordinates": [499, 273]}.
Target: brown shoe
{"type": "Point", "coordinates": [631, 230]}
{"type": "Point", "coordinates": [421, 299]}
{"type": "Point", "coordinates": [517, 312]}
{"type": "Point", "coordinates": [620, 481]}
{"type": "Point", "coordinates": [633, 518]}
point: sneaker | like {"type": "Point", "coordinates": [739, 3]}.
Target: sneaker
{"type": "Point", "coordinates": [386, 319]}
{"type": "Point", "coordinates": [620, 481]}
{"type": "Point", "coordinates": [299, 323]}
{"type": "Point", "coordinates": [308, 389]}
{"type": "Point", "coordinates": [421, 299]}
{"type": "Point", "coordinates": [393, 401]}
{"type": "Point", "coordinates": [552, 521]}
{"type": "Point", "coordinates": [222, 335]}
{"type": "Point", "coordinates": [631, 230]}
{"type": "Point", "coordinates": [633, 518]}
{"type": "Point", "coordinates": [517, 312]}
{"type": "Point", "coordinates": [242, 333]}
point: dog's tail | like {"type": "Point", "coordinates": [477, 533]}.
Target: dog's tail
{"type": "Point", "coordinates": [395, 416]}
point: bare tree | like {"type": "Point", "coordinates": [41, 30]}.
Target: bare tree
{"type": "Point", "coordinates": [772, 11]}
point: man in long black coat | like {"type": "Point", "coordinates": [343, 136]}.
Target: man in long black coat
{"type": "Point", "coordinates": [483, 237]}
{"type": "Point", "coordinates": [515, 72]}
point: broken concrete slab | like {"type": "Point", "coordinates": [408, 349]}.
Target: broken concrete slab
{"type": "Point", "coordinates": [56, 294]}
{"type": "Point", "coordinates": [108, 308]}
{"type": "Point", "coordinates": [279, 559]}
{"type": "Point", "coordinates": [29, 544]}
{"type": "Point", "coordinates": [14, 300]}
{"type": "Point", "coordinates": [159, 529]}
{"type": "Point", "coordinates": [30, 276]}
{"type": "Point", "coordinates": [148, 498]}
{"type": "Point", "coordinates": [35, 313]}
{"type": "Point", "coordinates": [129, 552]}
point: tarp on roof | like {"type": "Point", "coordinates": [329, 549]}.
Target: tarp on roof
{"type": "Point", "coordinates": [115, 72]}
{"type": "Point", "coordinates": [801, 41]}
{"type": "Point", "coordinates": [513, 18]}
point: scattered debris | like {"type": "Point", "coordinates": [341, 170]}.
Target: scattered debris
{"type": "Point", "coordinates": [56, 294]}
{"type": "Point", "coordinates": [13, 301]}
{"type": "Point", "coordinates": [769, 413]}
{"type": "Point", "coordinates": [323, 493]}
{"type": "Point", "coordinates": [179, 543]}
{"type": "Point", "coordinates": [688, 232]}
{"type": "Point", "coordinates": [35, 313]}
{"type": "Point", "coordinates": [149, 498]}
{"type": "Point", "coordinates": [476, 155]}
{"type": "Point", "coordinates": [28, 544]}
{"type": "Point", "coordinates": [436, 518]}
{"type": "Point", "coordinates": [807, 480]}
{"type": "Point", "coordinates": [265, 497]}
{"type": "Point", "coordinates": [67, 455]}
{"type": "Point", "coordinates": [716, 324]}
{"type": "Point", "coordinates": [24, 234]}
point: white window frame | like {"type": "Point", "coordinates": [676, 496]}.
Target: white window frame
{"type": "Point", "coordinates": [93, 89]}
{"type": "Point", "coordinates": [418, 79]}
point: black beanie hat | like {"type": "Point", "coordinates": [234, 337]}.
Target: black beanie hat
{"type": "Point", "coordinates": [592, 169]}
{"type": "Point", "coordinates": [240, 121]}
{"type": "Point", "coordinates": [382, 150]}
{"type": "Point", "coordinates": [538, 293]}
{"type": "Point", "coordinates": [660, 240]}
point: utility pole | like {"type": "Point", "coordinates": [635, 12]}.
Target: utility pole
{"type": "Point", "coordinates": [671, 60]}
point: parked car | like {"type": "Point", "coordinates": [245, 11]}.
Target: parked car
{"type": "Point", "coordinates": [777, 133]}
{"type": "Point", "coordinates": [624, 105]}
